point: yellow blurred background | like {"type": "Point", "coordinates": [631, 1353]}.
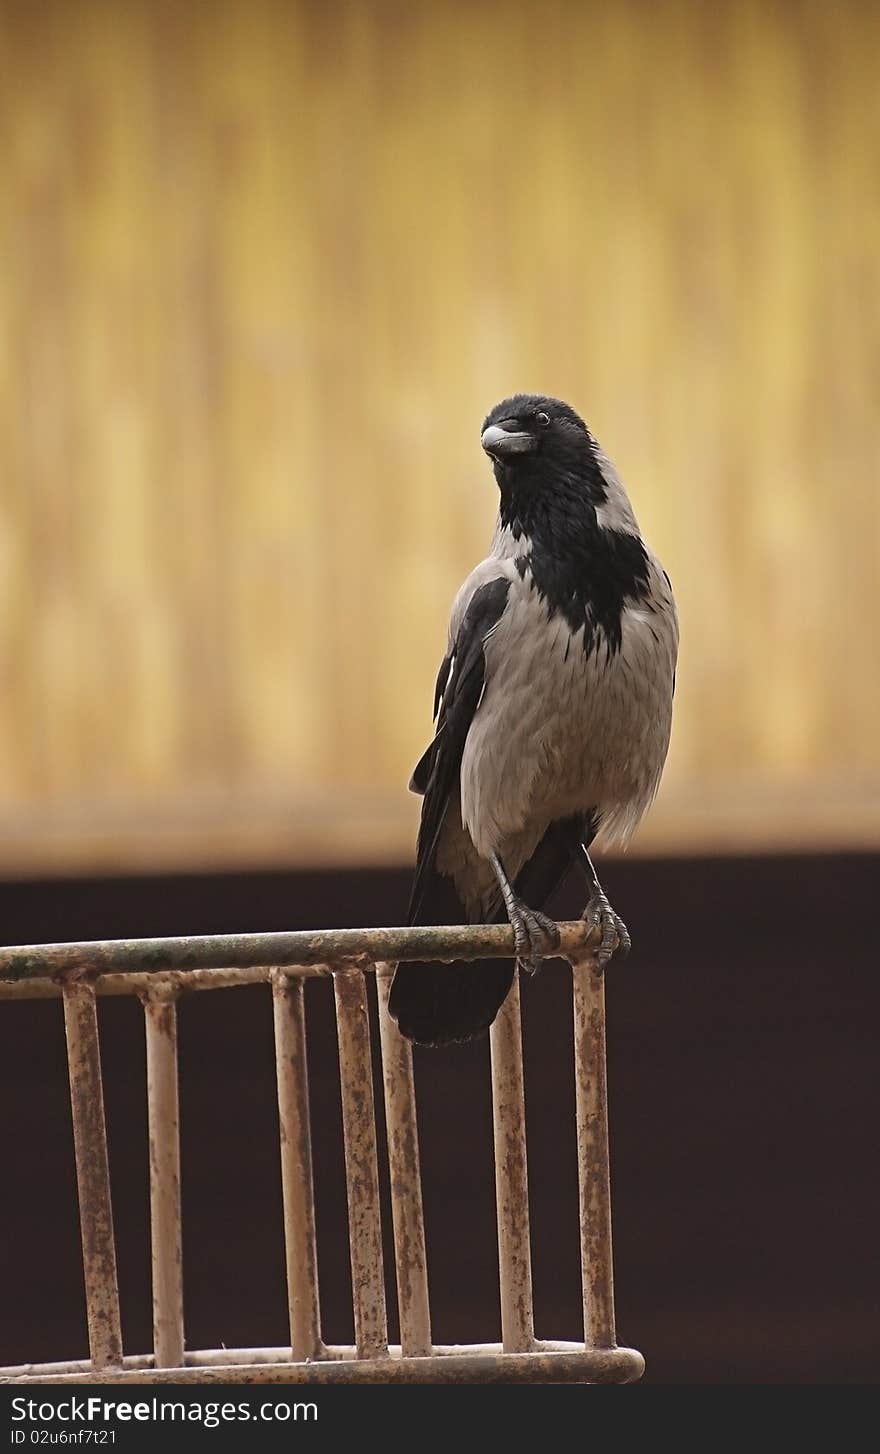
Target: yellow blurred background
{"type": "Point", "coordinates": [264, 266]}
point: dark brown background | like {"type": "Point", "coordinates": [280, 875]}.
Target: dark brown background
{"type": "Point", "coordinates": [744, 1097]}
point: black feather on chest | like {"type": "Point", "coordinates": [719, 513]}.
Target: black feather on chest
{"type": "Point", "coordinates": [582, 570]}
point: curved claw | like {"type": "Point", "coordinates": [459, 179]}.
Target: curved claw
{"type": "Point", "coordinates": [614, 935]}
{"type": "Point", "coordinates": [535, 937]}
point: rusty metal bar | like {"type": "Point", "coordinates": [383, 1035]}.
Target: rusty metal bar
{"type": "Point", "coordinates": [159, 970]}
{"type": "Point", "coordinates": [307, 949]}
{"type": "Point", "coordinates": [511, 1177]}
{"type": "Point", "coordinates": [219, 1357]}
{"type": "Point", "coordinates": [591, 1094]}
{"type": "Point", "coordinates": [160, 1023]}
{"type": "Point", "coordinates": [92, 1175]}
{"type": "Point", "coordinates": [405, 1175]}
{"type": "Point", "coordinates": [133, 982]}
{"type": "Point", "coordinates": [296, 1165]}
{"type": "Point", "coordinates": [361, 1164]}
{"type": "Point", "coordinates": [472, 1365]}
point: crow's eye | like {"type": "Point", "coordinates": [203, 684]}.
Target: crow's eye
{"type": "Point", "coordinates": [543, 419]}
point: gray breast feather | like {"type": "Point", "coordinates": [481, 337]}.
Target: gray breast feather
{"type": "Point", "coordinates": [558, 731]}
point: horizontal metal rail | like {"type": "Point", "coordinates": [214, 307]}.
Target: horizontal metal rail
{"type": "Point", "coordinates": [306, 951]}
{"type": "Point", "coordinates": [159, 970]}
{"type": "Point", "coordinates": [548, 1362]}
{"type": "Point", "coordinates": [329, 1352]}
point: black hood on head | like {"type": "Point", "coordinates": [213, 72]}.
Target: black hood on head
{"type": "Point", "coordinates": [551, 486]}
{"type": "Point", "coordinates": [527, 407]}
{"type": "Point", "coordinates": [544, 459]}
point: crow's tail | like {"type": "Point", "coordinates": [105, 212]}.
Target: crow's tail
{"type": "Point", "coordinates": [439, 1004]}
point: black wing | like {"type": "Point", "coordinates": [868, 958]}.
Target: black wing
{"type": "Point", "coordinates": [459, 689]}
{"type": "Point", "coordinates": [422, 771]}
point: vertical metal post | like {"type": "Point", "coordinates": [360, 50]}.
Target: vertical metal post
{"type": "Point", "coordinates": [405, 1175]}
{"type": "Point", "coordinates": [592, 1143]}
{"type": "Point", "coordinates": [160, 1024]}
{"type": "Point", "coordinates": [92, 1174]}
{"type": "Point", "coordinates": [511, 1177]}
{"type": "Point", "coordinates": [361, 1170]}
{"type": "Point", "coordinates": [297, 1186]}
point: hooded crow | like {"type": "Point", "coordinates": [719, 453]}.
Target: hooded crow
{"type": "Point", "coordinates": [553, 710]}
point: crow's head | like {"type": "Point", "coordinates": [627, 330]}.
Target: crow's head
{"type": "Point", "coordinates": [540, 446]}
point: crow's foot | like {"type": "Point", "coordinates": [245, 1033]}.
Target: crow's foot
{"type": "Point", "coordinates": [535, 936]}
{"type": "Point", "coordinates": [600, 916]}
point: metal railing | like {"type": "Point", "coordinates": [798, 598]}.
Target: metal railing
{"type": "Point", "coordinates": [159, 971]}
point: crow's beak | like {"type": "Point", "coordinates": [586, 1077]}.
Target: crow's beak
{"type": "Point", "coordinates": [500, 442]}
